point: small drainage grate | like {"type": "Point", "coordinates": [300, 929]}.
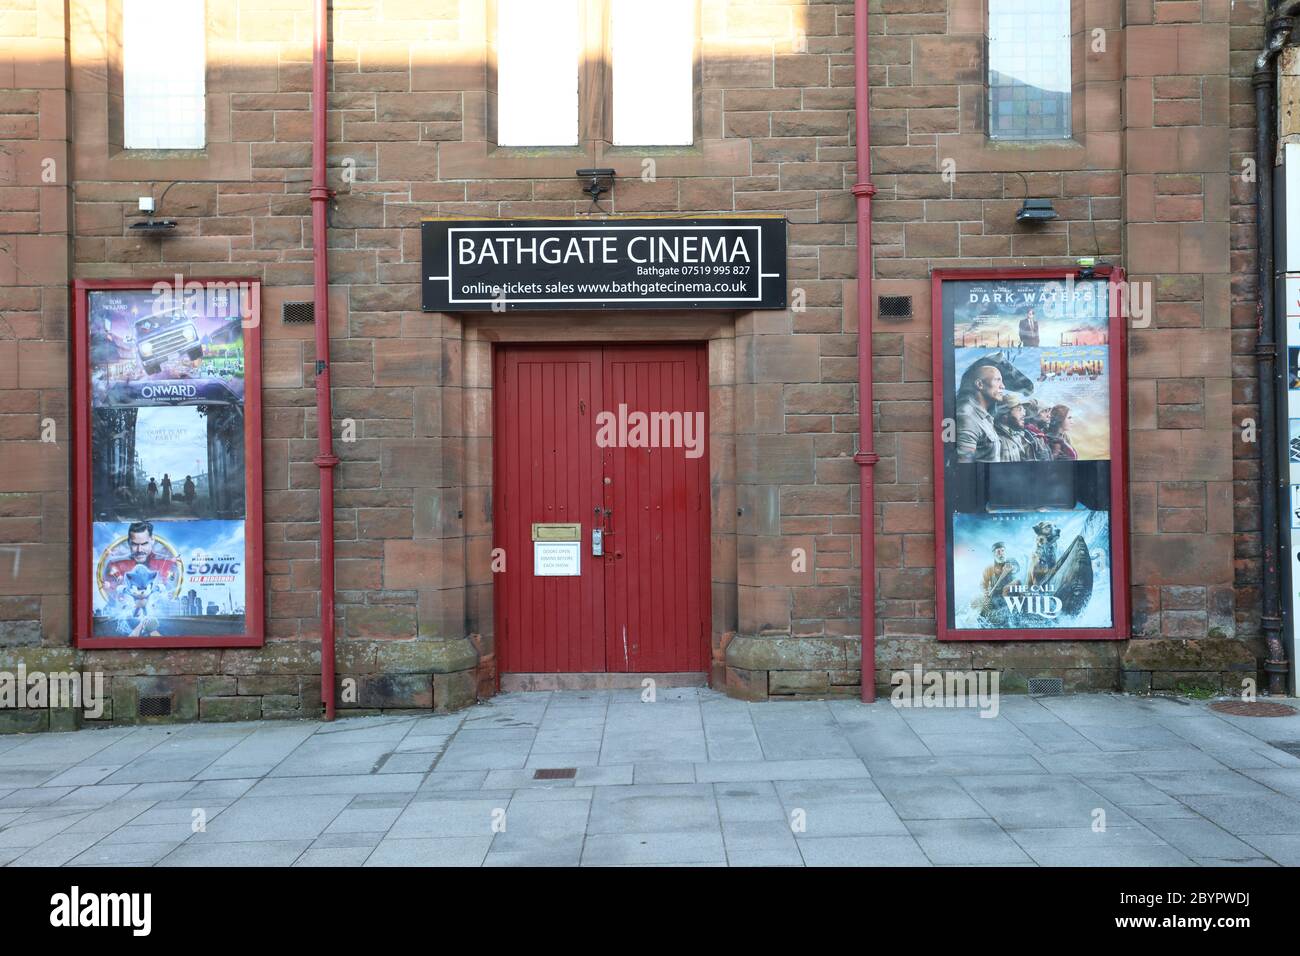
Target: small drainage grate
{"type": "Point", "coordinates": [1252, 708]}
{"type": "Point", "coordinates": [1046, 686]}
{"type": "Point", "coordinates": [154, 706]}
{"type": "Point", "coordinates": [555, 773]}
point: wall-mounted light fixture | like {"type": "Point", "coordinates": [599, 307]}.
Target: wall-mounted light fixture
{"type": "Point", "coordinates": [599, 181]}
{"type": "Point", "coordinates": [152, 226]}
{"type": "Point", "coordinates": [1036, 210]}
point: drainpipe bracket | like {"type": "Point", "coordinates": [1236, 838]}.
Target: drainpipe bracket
{"type": "Point", "coordinates": [321, 194]}
{"type": "Point", "coordinates": [1276, 667]}
{"type": "Point", "coordinates": [866, 458]}
{"type": "Point", "coordinates": [325, 461]}
{"type": "Point", "coordinates": [864, 189]}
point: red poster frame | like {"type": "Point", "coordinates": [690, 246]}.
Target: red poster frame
{"type": "Point", "coordinates": [82, 521]}
{"type": "Point", "coordinates": [1121, 624]}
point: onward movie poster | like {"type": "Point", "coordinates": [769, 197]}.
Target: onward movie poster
{"type": "Point", "coordinates": [157, 349]}
{"type": "Point", "coordinates": [167, 462]}
{"type": "Point", "coordinates": [1039, 570]}
{"type": "Point", "coordinates": [168, 578]}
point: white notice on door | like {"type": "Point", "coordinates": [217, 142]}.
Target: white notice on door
{"type": "Point", "coordinates": [556, 559]}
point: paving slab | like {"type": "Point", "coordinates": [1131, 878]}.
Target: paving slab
{"type": "Point", "coordinates": [621, 849]}
{"type": "Point", "coordinates": [334, 856]}
{"type": "Point", "coordinates": [974, 842]}
{"type": "Point", "coordinates": [1282, 848]}
{"type": "Point", "coordinates": [862, 851]}
{"type": "Point", "coordinates": [1041, 801]}
{"type": "Point", "coordinates": [809, 769]}
{"type": "Point", "coordinates": [690, 779]}
{"type": "Point", "coordinates": [273, 818]}
{"type": "Point", "coordinates": [839, 808]}
{"type": "Point", "coordinates": [927, 798]}
{"type": "Point", "coordinates": [663, 771]}
{"type": "Point", "coordinates": [1201, 838]}
{"type": "Point", "coordinates": [429, 851]}
{"type": "Point", "coordinates": [1270, 813]}
{"type": "Point", "coordinates": [135, 854]}
{"type": "Point", "coordinates": [262, 853]}
{"type": "Point", "coordinates": [657, 808]}
{"type": "Point", "coordinates": [364, 820]}
{"type": "Point", "coordinates": [514, 850]}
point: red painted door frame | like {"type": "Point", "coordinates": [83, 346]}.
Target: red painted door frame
{"type": "Point", "coordinates": [644, 606]}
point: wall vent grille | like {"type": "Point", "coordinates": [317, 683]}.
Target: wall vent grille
{"type": "Point", "coordinates": [1046, 687]}
{"type": "Point", "coordinates": [298, 313]}
{"type": "Point", "coordinates": [154, 706]}
{"type": "Point", "coordinates": [895, 306]}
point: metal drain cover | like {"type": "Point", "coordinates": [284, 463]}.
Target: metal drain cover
{"type": "Point", "coordinates": [1253, 708]}
{"type": "Point", "coordinates": [555, 773]}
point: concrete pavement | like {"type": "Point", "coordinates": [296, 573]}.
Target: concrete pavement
{"type": "Point", "coordinates": [693, 778]}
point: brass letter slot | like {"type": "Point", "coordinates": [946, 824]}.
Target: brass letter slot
{"type": "Point", "coordinates": [557, 532]}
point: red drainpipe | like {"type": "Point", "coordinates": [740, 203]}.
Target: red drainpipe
{"type": "Point", "coordinates": [325, 459]}
{"type": "Point", "coordinates": [866, 456]}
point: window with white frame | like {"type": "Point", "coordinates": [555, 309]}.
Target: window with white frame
{"type": "Point", "coordinates": [1029, 69]}
{"type": "Point", "coordinates": [547, 95]}
{"type": "Point", "coordinates": [163, 61]}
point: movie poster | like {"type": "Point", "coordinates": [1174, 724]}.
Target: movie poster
{"type": "Point", "coordinates": [1049, 404]}
{"type": "Point", "coordinates": [1026, 454]}
{"type": "Point", "coordinates": [167, 462]}
{"type": "Point", "coordinates": [168, 578]}
{"type": "Point", "coordinates": [1035, 570]}
{"type": "Point", "coordinates": [148, 348]}
{"type": "Point", "coordinates": [1291, 399]}
{"type": "Point", "coordinates": [1028, 313]}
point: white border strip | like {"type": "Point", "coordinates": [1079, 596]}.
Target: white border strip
{"type": "Point", "coordinates": [452, 300]}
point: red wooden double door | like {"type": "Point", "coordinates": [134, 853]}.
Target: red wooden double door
{"type": "Point", "coordinates": [613, 439]}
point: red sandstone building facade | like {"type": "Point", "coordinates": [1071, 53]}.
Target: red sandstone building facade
{"type": "Point", "coordinates": [750, 568]}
